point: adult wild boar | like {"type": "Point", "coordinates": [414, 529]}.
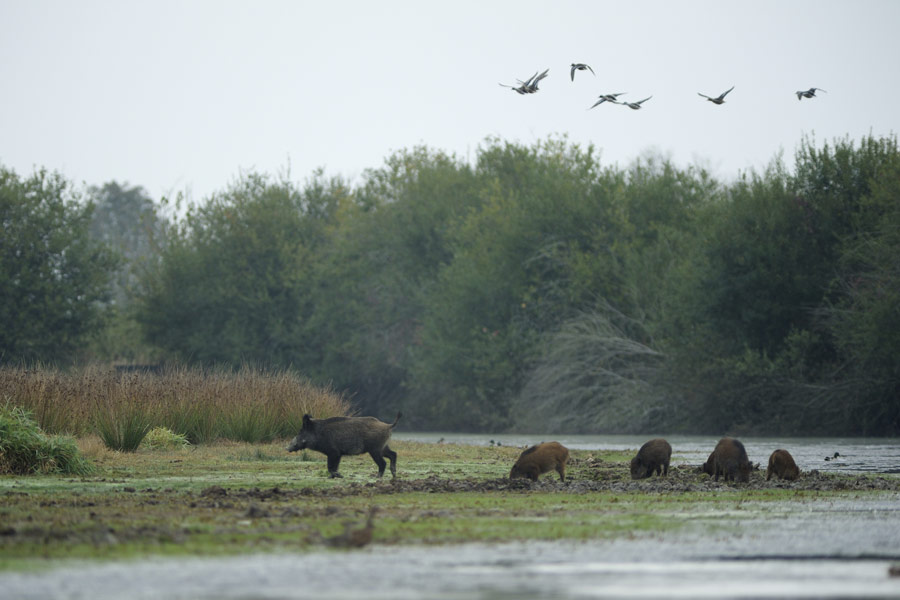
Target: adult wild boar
{"type": "Point", "coordinates": [540, 459]}
{"type": "Point", "coordinates": [730, 460]}
{"type": "Point", "coordinates": [782, 464]}
{"type": "Point", "coordinates": [653, 456]}
{"type": "Point", "coordinates": [339, 436]}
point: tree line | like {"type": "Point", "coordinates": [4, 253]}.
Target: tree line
{"type": "Point", "coordinates": [533, 288]}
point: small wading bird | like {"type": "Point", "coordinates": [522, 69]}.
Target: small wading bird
{"type": "Point", "coordinates": [810, 93]}
{"type": "Point", "coordinates": [635, 105]}
{"type": "Point", "coordinates": [608, 98]}
{"type": "Point", "coordinates": [720, 99]}
{"type": "Point", "coordinates": [580, 67]}
{"type": "Point", "coordinates": [354, 538]}
{"type": "Point", "coordinates": [530, 85]}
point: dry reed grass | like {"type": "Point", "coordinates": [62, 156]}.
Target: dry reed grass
{"type": "Point", "coordinates": [249, 405]}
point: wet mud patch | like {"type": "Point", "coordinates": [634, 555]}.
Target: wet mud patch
{"type": "Point", "coordinates": [590, 476]}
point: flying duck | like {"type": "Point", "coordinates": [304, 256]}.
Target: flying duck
{"type": "Point", "coordinates": [635, 105]}
{"type": "Point", "coordinates": [608, 98]}
{"type": "Point", "coordinates": [720, 99]}
{"type": "Point", "coordinates": [810, 93]}
{"type": "Point", "coordinates": [522, 88]}
{"type": "Point", "coordinates": [580, 67]}
{"type": "Point", "coordinates": [530, 85]}
{"type": "Point", "coordinates": [533, 85]}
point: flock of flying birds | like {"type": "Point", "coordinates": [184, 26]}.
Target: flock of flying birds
{"type": "Point", "coordinates": [530, 86]}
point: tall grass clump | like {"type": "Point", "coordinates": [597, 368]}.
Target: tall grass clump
{"type": "Point", "coordinates": [124, 410]}
{"type": "Point", "coordinates": [260, 406]}
{"type": "Point", "coordinates": [203, 405]}
{"type": "Point", "coordinates": [252, 424]}
{"type": "Point", "coordinates": [122, 425]}
{"type": "Point", "coordinates": [249, 405]}
{"type": "Point", "coordinates": [25, 449]}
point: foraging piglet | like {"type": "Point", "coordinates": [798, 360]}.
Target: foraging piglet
{"type": "Point", "coordinates": [339, 436]}
{"type": "Point", "coordinates": [709, 467]}
{"type": "Point", "coordinates": [540, 459]}
{"type": "Point", "coordinates": [782, 464]}
{"type": "Point", "coordinates": [730, 460]}
{"type": "Point", "coordinates": [653, 456]}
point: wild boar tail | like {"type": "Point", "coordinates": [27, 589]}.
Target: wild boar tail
{"type": "Point", "coordinates": [399, 414]}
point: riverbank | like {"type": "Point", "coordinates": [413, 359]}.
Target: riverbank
{"type": "Point", "coordinates": [229, 498]}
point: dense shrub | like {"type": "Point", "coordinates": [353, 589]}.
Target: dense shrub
{"type": "Point", "coordinates": [25, 449]}
{"type": "Point", "coordinates": [163, 438]}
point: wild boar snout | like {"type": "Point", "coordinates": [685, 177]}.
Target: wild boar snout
{"type": "Point", "coordinates": [296, 444]}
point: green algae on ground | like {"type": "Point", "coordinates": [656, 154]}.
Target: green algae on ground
{"type": "Point", "coordinates": [238, 498]}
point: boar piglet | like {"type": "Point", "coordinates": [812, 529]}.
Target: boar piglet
{"type": "Point", "coordinates": [730, 460]}
{"type": "Point", "coordinates": [653, 456]}
{"type": "Point", "coordinates": [339, 436]}
{"type": "Point", "coordinates": [782, 464]}
{"type": "Point", "coordinates": [709, 467]}
{"type": "Point", "coordinates": [540, 459]}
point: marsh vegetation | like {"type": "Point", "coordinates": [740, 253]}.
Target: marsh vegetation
{"type": "Point", "coordinates": [203, 405]}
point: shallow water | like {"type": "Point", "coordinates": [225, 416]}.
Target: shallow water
{"type": "Point", "coordinates": [794, 549]}
{"type": "Point", "coordinates": [857, 455]}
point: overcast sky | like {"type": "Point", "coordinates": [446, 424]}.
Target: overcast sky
{"type": "Point", "coordinates": [185, 95]}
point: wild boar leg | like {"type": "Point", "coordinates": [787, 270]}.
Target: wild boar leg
{"type": "Point", "coordinates": [392, 456]}
{"type": "Point", "coordinates": [376, 456]}
{"type": "Point", "coordinates": [334, 461]}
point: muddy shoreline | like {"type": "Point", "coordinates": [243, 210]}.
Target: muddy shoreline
{"type": "Point", "coordinates": [283, 506]}
{"type": "Point", "coordinates": [592, 476]}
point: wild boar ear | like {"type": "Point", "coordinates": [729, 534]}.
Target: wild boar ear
{"type": "Point", "coordinates": [306, 420]}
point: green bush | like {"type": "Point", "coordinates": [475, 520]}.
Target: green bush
{"type": "Point", "coordinates": [162, 438]}
{"type": "Point", "coordinates": [25, 448]}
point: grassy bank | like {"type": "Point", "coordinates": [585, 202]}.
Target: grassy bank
{"type": "Point", "coordinates": [228, 498]}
